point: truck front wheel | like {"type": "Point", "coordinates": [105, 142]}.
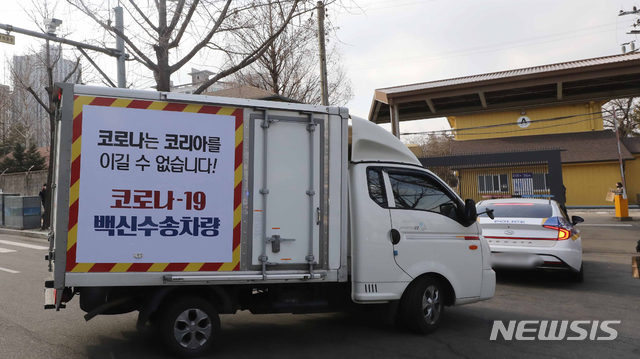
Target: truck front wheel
{"type": "Point", "coordinates": [190, 326]}
{"type": "Point", "coordinates": [423, 305]}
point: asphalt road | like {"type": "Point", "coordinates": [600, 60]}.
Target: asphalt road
{"type": "Point", "coordinates": [608, 293]}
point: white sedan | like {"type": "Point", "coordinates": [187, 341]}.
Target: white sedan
{"type": "Point", "coordinates": [532, 234]}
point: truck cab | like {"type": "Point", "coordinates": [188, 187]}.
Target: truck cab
{"type": "Point", "coordinates": [406, 223]}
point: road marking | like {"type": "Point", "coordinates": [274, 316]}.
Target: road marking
{"type": "Point", "coordinates": [9, 270]}
{"type": "Point", "coordinates": [25, 245]}
{"type": "Point", "coordinates": [606, 225]}
{"type": "Point", "coordinates": [602, 212]}
{"type": "Point", "coordinates": [5, 250]}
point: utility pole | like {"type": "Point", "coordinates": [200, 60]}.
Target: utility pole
{"type": "Point", "coordinates": [122, 78]}
{"type": "Point", "coordinates": [624, 182]}
{"type": "Point", "coordinates": [324, 85]}
{"type": "Point", "coordinates": [636, 12]}
{"type": "Point", "coordinates": [52, 25]}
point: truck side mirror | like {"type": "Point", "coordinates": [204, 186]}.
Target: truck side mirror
{"type": "Point", "coordinates": [470, 213]}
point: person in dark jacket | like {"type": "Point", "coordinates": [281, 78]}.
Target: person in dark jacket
{"type": "Point", "coordinates": [43, 193]}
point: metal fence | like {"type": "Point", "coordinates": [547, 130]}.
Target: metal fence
{"type": "Point", "coordinates": [504, 180]}
{"type": "Point", "coordinates": [526, 174]}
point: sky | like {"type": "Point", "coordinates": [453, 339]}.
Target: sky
{"type": "Point", "coordinates": [397, 42]}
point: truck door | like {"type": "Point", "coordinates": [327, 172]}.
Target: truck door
{"type": "Point", "coordinates": [286, 190]}
{"type": "Point", "coordinates": [427, 216]}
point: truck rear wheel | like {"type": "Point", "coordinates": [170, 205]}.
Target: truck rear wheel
{"type": "Point", "coordinates": [423, 305]}
{"type": "Point", "coordinates": [190, 326]}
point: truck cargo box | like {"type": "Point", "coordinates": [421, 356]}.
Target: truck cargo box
{"type": "Point", "coordinates": [156, 188]}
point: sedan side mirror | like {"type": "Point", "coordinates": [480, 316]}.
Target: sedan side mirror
{"type": "Point", "coordinates": [470, 212]}
{"type": "Point", "coordinates": [576, 219]}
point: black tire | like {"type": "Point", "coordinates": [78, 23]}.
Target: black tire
{"type": "Point", "coordinates": [577, 277]}
{"type": "Point", "coordinates": [422, 306]}
{"type": "Point", "coordinates": [189, 326]}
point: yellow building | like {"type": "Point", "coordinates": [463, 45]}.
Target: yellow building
{"type": "Point", "coordinates": [589, 154]}
{"type": "Point", "coordinates": [557, 106]}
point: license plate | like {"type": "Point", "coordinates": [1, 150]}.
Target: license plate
{"type": "Point", "coordinates": [515, 260]}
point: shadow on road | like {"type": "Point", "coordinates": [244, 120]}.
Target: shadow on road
{"type": "Point", "coordinates": [602, 277]}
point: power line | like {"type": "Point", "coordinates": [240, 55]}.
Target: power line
{"type": "Point", "coordinates": [529, 129]}
{"type": "Point", "coordinates": [453, 130]}
{"type": "Point", "coordinates": [481, 49]}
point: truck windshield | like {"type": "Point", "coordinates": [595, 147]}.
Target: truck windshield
{"type": "Point", "coordinates": [518, 210]}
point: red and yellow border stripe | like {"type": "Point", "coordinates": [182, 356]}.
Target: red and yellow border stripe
{"type": "Point", "coordinates": [74, 193]}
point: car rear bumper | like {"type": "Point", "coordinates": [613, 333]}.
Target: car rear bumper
{"type": "Point", "coordinates": [561, 256]}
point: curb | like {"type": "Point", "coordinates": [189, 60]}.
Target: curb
{"type": "Point", "coordinates": [23, 233]}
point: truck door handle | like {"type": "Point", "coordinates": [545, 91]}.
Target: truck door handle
{"type": "Point", "coordinates": [275, 242]}
{"type": "Point", "coordinates": [395, 236]}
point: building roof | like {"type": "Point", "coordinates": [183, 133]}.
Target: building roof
{"type": "Point", "coordinates": [196, 71]}
{"type": "Point", "coordinates": [514, 73]}
{"type": "Point", "coordinates": [596, 79]}
{"type": "Point", "coordinates": [250, 93]}
{"type": "Point", "coordinates": [594, 146]}
{"type": "Point", "coordinates": [632, 144]}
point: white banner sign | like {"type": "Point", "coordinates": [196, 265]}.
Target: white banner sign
{"type": "Point", "coordinates": [155, 187]}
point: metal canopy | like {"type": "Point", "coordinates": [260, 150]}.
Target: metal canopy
{"type": "Point", "coordinates": [595, 79]}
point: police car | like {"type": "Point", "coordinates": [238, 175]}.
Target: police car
{"type": "Point", "coordinates": [529, 233]}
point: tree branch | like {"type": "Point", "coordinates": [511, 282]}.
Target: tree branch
{"type": "Point", "coordinates": [83, 8]}
{"type": "Point", "coordinates": [177, 13]}
{"type": "Point", "coordinates": [201, 44]}
{"type": "Point", "coordinates": [249, 59]}
{"type": "Point", "coordinates": [144, 17]}
{"type": "Point", "coordinates": [35, 95]}
{"type": "Point", "coordinates": [140, 24]}
{"type": "Point", "coordinates": [185, 23]}
{"type": "Point", "coordinates": [75, 67]}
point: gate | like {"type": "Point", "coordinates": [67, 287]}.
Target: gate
{"type": "Point", "coordinates": [526, 174]}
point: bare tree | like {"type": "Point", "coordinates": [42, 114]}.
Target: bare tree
{"type": "Point", "coordinates": [627, 115]}
{"type": "Point", "coordinates": [436, 145]}
{"type": "Point", "coordinates": [33, 77]}
{"type": "Point", "coordinates": [175, 31]}
{"type": "Point", "coordinates": [5, 114]}
{"type": "Point", "coordinates": [290, 65]}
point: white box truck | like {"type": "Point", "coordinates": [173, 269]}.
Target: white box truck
{"type": "Point", "coordinates": [184, 207]}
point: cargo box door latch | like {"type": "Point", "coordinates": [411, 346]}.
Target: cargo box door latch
{"type": "Point", "coordinates": [275, 242]}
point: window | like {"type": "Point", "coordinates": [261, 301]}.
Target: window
{"type": "Point", "coordinates": [375, 182]}
{"type": "Point", "coordinates": [540, 181]}
{"type": "Point", "coordinates": [493, 183]}
{"type": "Point", "coordinates": [518, 210]}
{"type": "Point", "coordinates": [421, 192]}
